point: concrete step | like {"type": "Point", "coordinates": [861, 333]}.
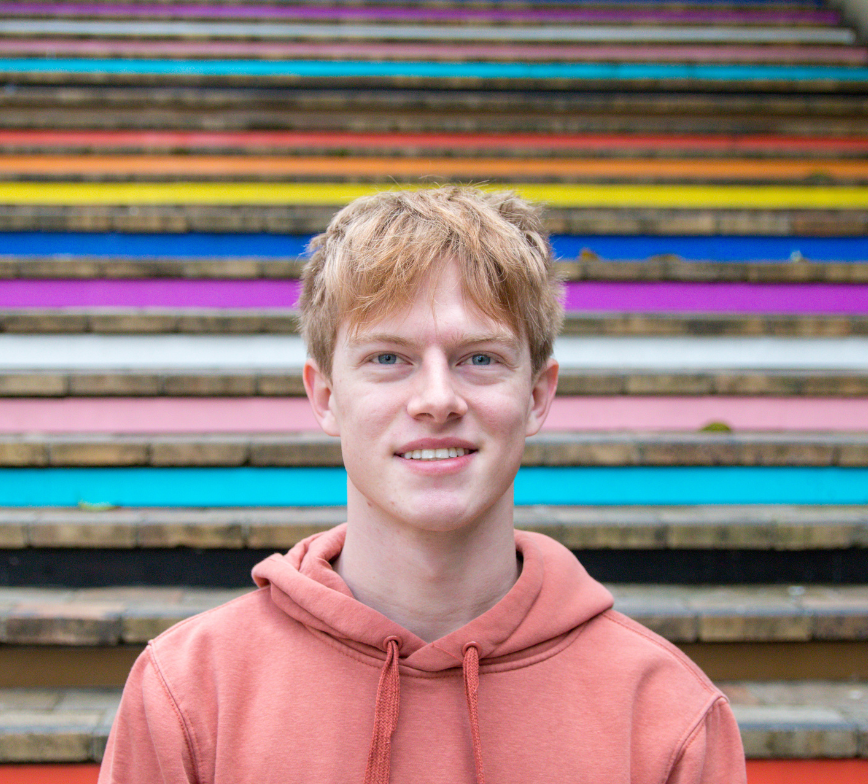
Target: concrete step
{"type": "Point", "coordinates": [746, 527]}
{"type": "Point", "coordinates": [809, 719]}
{"type": "Point", "coordinates": [174, 382]}
{"type": "Point", "coordinates": [708, 146]}
{"type": "Point", "coordinates": [588, 267]}
{"type": "Point", "coordinates": [810, 211]}
{"type": "Point", "coordinates": [419, 111]}
{"type": "Point", "coordinates": [89, 637]}
{"type": "Point", "coordinates": [712, 448]}
{"type": "Point", "coordinates": [95, 544]}
{"type": "Point", "coordinates": [214, 321]}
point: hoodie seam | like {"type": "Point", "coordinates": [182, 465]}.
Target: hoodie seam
{"type": "Point", "coordinates": [690, 736]}
{"type": "Point", "coordinates": [189, 741]}
{"type": "Point", "coordinates": [410, 671]}
{"type": "Point", "coordinates": [199, 615]}
{"type": "Point", "coordinates": [683, 661]}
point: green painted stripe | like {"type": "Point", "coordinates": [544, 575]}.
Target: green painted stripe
{"type": "Point", "coordinates": [228, 487]}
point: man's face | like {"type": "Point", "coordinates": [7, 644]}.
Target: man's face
{"type": "Point", "coordinates": [432, 406]}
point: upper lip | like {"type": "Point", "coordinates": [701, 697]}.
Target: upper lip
{"type": "Point", "coordinates": [435, 443]}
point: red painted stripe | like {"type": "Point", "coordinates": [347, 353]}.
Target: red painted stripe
{"type": "Point", "coordinates": [758, 772]}
{"type": "Point", "coordinates": [49, 774]}
{"type": "Point", "coordinates": [807, 771]}
{"type": "Point", "coordinates": [455, 141]}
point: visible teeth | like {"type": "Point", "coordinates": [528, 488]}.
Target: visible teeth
{"type": "Point", "coordinates": [435, 454]}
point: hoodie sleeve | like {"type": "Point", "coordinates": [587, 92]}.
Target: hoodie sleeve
{"type": "Point", "coordinates": [148, 742]}
{"type": "Point", "coordinates": [713, 754]}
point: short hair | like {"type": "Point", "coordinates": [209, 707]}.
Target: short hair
{"type": "Point", "coordinates": [378, 250]}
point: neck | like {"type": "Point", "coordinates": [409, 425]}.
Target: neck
{"type": "Point", "coordinates": [429, 582]}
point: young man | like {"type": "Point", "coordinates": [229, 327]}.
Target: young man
{"type": "Point", "coordinates": [424, 641]}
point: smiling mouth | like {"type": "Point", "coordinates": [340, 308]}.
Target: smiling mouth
{"type": "Point", "coordinates": [435, 454]}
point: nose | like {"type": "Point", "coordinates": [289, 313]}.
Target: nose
{"type": "Point", "coordinates": [435, 393]}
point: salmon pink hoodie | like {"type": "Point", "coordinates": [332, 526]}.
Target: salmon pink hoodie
{"type": "Point", "coordinates": [299, 682]}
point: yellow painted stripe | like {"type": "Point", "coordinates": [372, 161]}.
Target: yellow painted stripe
{"type": "Point", "coordinates": [556, 195]}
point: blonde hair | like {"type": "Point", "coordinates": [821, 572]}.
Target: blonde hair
{"type": "Point", "coordinates": [378, 250]}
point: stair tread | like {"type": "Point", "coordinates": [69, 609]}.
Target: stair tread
{"type": "Point", "coordinates": [801, 719]}
{"type": "Point", "coordinates": [683, 614]}
{"type": "Point", "coordinates": [759, 527]}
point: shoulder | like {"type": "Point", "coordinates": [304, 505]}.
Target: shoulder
{"type": "Point", "coordinates": [658, 677]}
{"type": "Point", "coordinates": [222, 638]}
{"type": "Point", "coordinates": [643, 652]}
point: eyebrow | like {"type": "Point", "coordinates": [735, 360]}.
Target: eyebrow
{"type": "Point", "coordinates": [501, 337]}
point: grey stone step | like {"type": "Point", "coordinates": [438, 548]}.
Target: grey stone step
{"type": "Point", "coordinates": [214, 321]}
{"type": "Point", "coordinates": [105, 107]}
{"type": "Point", "coordinates": [808, 719]}
{"type": "Point", "coordinates": [776, 527]}
{"type": "Point", "coordinates": [303, 219]}
{"type": "Point", "coordinates": [94, 617]}
{"type": "Point", "coordinates": [247, 382]}
{"type": "Point", "coordinates": [587, 267]}
{"type": "Point", "coordinates": [546, 449]}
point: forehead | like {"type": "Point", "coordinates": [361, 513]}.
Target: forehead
{"type": "Point", "coordinates": [440, 306]}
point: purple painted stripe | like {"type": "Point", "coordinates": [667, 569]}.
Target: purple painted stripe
{"type": "Point", "coordinates": [152, 293]}
{"type": "Point", "coordinates": [598, 15]}
{"type": "Point", "coordinates": [587, 296]}
{"type": "Point", "coordinates": [683, 297]}
{"type": "Point", "coordinates": [850, 55]}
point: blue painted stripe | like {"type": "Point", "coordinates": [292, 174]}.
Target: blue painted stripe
{"type": "Point", "coordinates": [227, 487]}
{"type": "Point", "coordinates": [740, 248]}
{"type": "Point", "coordinates": [437, 70]}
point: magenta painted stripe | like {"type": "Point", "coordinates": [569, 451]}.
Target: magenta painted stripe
{"type": "Point", "coordinates": [686, 297]}
{"type": "Point", "coordinates": [850, 55]}
{"type": "Point", "coordinates": [581, 296]}
{"type": "Point", "coordinates": [399, 13]}
{"type": "Point", "coordinates": [285, 415]}
{"type": "Point", "coordinates": [153, 293]}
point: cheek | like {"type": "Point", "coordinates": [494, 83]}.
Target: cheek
{"type": "Point", "coordinates": [506, 415]}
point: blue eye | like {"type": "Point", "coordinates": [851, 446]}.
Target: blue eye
{"type": "Point", "coordinates": [480, 359]}
{"type": "Point", "coordinates": [387, 359]}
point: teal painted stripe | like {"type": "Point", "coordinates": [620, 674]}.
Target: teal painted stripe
{"type": "Point", "coordinates": [226, 487]}
{"type": "Point", "coordinates": [479, 70]}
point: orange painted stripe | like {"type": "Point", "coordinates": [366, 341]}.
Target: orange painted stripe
{"type": "Point", "coordinates": [49, 774]}
{"type": "Point", "coordinates": [123, 166]}
{"type": "Point", "coordinates": [157, 139]}
{"type": "Point", "coordinates": [850, 771]}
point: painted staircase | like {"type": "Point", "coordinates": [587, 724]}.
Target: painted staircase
{"type": "Point", "coordinates": [705, 168]}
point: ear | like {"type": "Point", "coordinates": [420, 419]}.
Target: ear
{"type": "Point", "coordinates": [542, 394]}
{"type": "Point", "coordinates": [319, 393]}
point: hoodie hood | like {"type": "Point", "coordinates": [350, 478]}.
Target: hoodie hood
{"type": "Point", "coordinates": [552, 596]}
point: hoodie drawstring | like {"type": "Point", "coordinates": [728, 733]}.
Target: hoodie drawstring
{"type": "Point", "coordinates": [389, 701]}
{"type": "Point", "coordinates": [385, 717]}
{"type": "Point", "coordinates": [470, 667]}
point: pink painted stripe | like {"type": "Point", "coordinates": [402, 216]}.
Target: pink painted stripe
{"type": "Point", "coordinates": [581, 296]}
{"type": "Point", "coordinates": [850, 55]}
{"type": "Point", "coordinates": [284, 415]}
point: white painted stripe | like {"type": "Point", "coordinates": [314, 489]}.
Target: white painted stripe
{"type": "Point", "coordinates": [286, 352]}
{"type": "Point", "coordinates": [613, 33]}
